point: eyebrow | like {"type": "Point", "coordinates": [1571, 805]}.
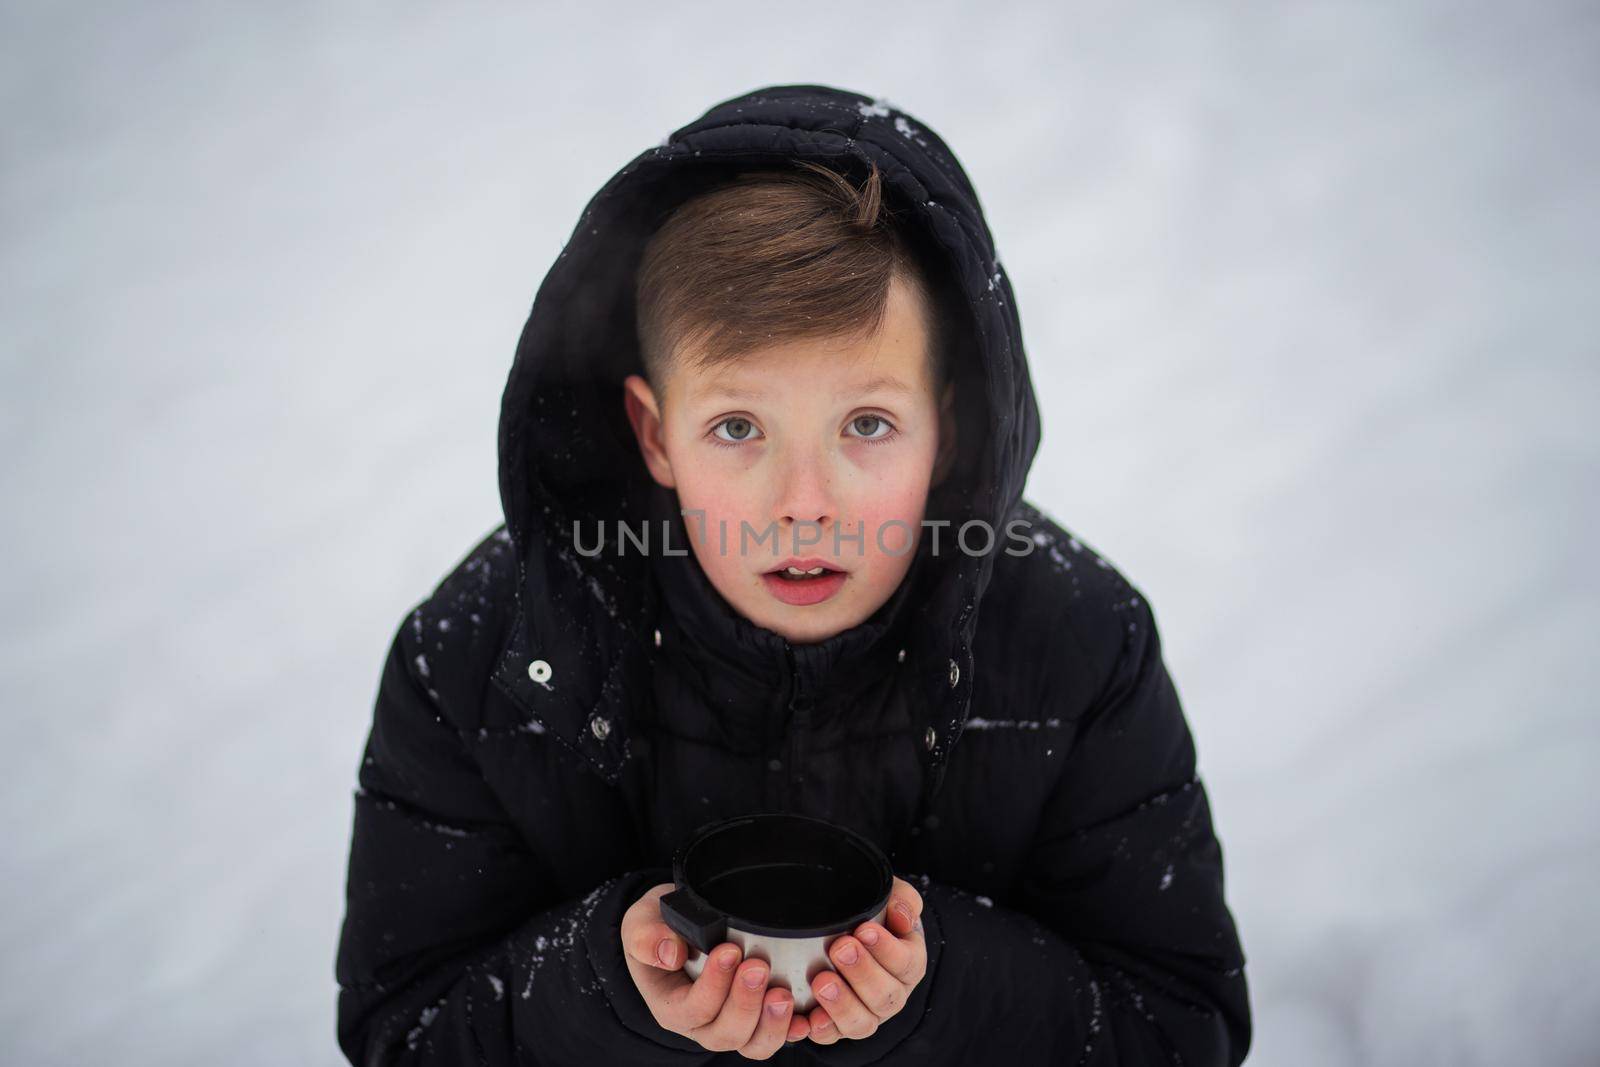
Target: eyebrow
{"type": "Point", "coordinates": [886, 383]}
{"type": "Point", "coordinates": [883, 382]}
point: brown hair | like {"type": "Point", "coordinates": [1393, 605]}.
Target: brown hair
{"type": "Point", "coordinates": [777, 255]}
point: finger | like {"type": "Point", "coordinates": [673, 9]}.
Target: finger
{"type": "Point", "coordinates": [658, 985]}
{"type": "Point", "coordinates": [850, 1017]}
{"type": "Point", "coordinates": [880, 991]}
{"type": "Point", "coordinates": [905, 906]}
{"type": "Point", "coordinates": [642, 928]}
{"type": "Point", "coordinates": [823, 1032]}
{"type": "Point", "coordinates": [654, 943]}
{"type": "Point", "coordinates": [799, 1026]}
{"type": "Point", "coordinates": [904, 957]}
{"type": "Point", "coordinates": [696, 1004]}
{"type": "Point", "coordinates": [772, 1028]}
{"type": "Point", "coordinates": [737, 1020]}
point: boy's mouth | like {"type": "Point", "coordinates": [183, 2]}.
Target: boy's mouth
{"type": "Point", "coordinates": [802, 582]}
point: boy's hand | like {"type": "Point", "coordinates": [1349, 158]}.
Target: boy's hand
{"type": "Point", "coordinates": [880, 968]}
{"type": "Point", "coordinates": [728, 1008]}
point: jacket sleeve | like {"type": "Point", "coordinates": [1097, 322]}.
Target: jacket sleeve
{"type": "Point", "coordinates": [454, 949]}
{"type": "Point", "coordinates": [1117, 947]}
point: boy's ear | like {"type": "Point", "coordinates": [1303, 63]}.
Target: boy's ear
{"type": "Point", "coordinates": [644, 414]}
{"type": "Point", "coordinates": [947, 434]}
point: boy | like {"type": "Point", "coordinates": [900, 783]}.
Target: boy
{"type": "Point", "coordinates": [782, 339]}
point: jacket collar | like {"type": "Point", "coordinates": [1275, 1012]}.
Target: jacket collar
{"type": "Point", "coordinates": [700, 625]}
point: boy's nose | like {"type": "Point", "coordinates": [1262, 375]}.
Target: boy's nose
{"type": "Point", "coordinates": [804, 495]}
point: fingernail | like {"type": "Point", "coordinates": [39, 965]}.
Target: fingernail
{"type": "Point", "coordinates": [667, 952]}
{"type": "Point", "coordinates": [754, 977]}
{"type": "Point", "coordinates": [823, 1025]}
{"type": "Point", "coordinates": [904, 911]}
{"type": "Point", "coordinates": [779, 1006]}
{"type": "Point", "coordinates": [729, 959]}
{"type": "Point", "coordinates": [829, 991]}
{"type": "Point", "coordinates": [847, 953]}
{"type": "Point", "coordinates": [869, 934]}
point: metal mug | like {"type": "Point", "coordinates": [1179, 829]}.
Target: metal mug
{"type": "Point", "coordinates": [782, 887]}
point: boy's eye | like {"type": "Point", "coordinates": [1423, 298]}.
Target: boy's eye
{"type": "Point", "coordinates": [865, 425]}
{"type": "Point", "coordinates": [739, 429]}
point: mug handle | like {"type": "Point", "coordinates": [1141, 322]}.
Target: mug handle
{"type": "Point", "coordinates": [700, 924]}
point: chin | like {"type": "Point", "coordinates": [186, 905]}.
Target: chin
{"type": "Point", "coordinates": [811, 624]}
{"type": "Point", "coordinates": [808, 638]}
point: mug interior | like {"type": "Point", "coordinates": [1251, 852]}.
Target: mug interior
{"type": "Point", "coordinates": [787, 873]}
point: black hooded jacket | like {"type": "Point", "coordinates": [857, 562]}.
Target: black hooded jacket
{"type": "Point", "coordinates": [550, 723]}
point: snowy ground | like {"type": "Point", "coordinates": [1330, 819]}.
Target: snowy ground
{"type": "Point", "coordinates": [1311, 307]}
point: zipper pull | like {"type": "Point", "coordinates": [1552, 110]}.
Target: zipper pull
{"type": "Point", "coordinates": [799, 695]}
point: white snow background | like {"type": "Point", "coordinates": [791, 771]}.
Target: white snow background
{"type": "Point", "coordinates": [1309, 295]}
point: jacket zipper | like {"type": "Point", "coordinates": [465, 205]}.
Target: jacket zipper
{"type": "Point", "coordinates": [799, 723]}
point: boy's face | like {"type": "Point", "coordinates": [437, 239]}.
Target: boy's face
{"type": "Point", "coordinates": [798, 441]}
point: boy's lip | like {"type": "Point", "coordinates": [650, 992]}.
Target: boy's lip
{"type": "Point", "coordinates": [804, 592]}
{"type": "Point", "coordinates": [805, 564]}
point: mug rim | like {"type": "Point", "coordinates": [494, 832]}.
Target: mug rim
{"type": "Point", "coordinates": [874, 854]}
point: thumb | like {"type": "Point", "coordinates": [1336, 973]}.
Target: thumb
{"type": "Point", "coordinates": [656, 945]}
{"type": "Point", "coordinates": [905, 907]}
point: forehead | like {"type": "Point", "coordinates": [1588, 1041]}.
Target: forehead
{"type": "Point", "coordinates": [894, 361]}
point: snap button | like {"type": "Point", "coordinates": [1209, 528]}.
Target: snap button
{"type": "Point", "coordinates": [658, 638]}
{"type": "Point", "coordinates": [900, 657]}
{"type": "Point", "coordinates": [539, 671]}
{"type": "Point", "coordinates": [929, 737]}
{"type": "Point", "coordinates": [599, 727]}
{"type": "Point", "coordinates": [774, 764]}
{"type": "Point", "coordinates": [955, 674]}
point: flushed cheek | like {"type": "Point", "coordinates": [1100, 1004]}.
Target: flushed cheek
{"type": "Point", "coordinates": [888, 524]}
{"type": "Point", "coordinates": [715, 505]}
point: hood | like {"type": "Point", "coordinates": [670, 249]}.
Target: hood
{"type": "Point", "coordinates": [568, 457]}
